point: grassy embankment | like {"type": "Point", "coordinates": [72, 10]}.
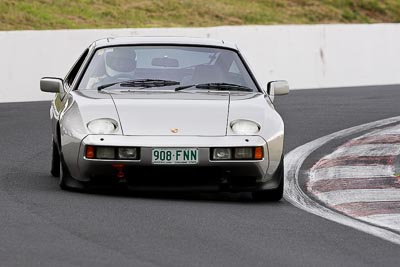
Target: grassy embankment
{"type": "Point", "coordinates": [66, 14]}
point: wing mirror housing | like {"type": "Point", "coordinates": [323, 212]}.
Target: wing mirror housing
{"type": "Point", "coordinates": [278, 88]}
{"type": "Point", "coordinates": [52, 85]}
{"type": "Point", "coordinates": [275, 88]}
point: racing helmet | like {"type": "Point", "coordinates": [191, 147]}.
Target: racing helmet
{"type": "Point", "coordinates": [120, 60]}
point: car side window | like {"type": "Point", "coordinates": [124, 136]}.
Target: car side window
{"type": "Point", "coordinates": [74, 71]}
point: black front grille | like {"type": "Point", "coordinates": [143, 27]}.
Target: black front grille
{"type": "Point", "coordinates": [173, 175]}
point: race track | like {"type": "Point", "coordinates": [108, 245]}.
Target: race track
{"type": "Point", "coordinates": [42, 225]}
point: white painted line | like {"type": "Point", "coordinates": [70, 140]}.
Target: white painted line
{"type": "Point", "coordinates": [374, 150]}
{"type": "Point", "coordinates": [338, 172]}
{"type": "Point", "coordinates": [334, 198]}
{"type": "Point", "coordinates": [296, 196]}
{"type": "Point", "coordinates": [379, 132]}
{"type": "Point", "coordinates": [391, 221]}
{"type": "Point", "coordinates": [390, 130]}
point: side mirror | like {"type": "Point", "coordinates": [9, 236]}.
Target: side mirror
{"type": "Point", "coordinates": [278, 88]}
{"type": "Point", "coordinates": [52, 85]}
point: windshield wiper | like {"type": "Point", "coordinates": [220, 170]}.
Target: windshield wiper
{"type": "Point", "coordinates": [216, 86]}
{"type": "Point", "coordinates": [146, 83]}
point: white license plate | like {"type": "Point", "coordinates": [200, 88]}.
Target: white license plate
{"type": "Point", "coordinates": [175, 156]}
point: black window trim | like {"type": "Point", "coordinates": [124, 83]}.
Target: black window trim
{"type": "Point", "coordinates": [75, 70]}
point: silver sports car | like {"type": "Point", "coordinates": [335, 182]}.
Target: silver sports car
{"type": "Point", "coordinates": [166, 113]}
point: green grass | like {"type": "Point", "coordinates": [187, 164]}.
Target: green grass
{"type": "Point", "coordinates": [65, 14]}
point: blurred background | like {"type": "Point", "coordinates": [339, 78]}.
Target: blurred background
{"type": "Point", "coordinates": [84, 14]}
{"type": "Point", "coordinates": [312, 44]}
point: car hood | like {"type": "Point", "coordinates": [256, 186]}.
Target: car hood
{"type": "Point", "coordinates": [172, 113]}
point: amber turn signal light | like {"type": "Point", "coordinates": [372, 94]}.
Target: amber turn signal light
{"type": "Point", "coordinates": [258, 152]}
{"type": "Point", "coordinates": [89, 153]}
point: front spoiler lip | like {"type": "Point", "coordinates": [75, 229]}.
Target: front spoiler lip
{"type": "Point", "coordinates": [217, 188]}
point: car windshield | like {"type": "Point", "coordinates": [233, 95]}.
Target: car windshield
{"type": "Point", "coordinates": [174, 65]}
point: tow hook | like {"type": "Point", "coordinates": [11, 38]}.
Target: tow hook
{"type": "Point", "coordinates": [120, 175]}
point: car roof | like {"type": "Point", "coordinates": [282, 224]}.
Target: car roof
{"type": "Point", "coordinates": [135, 40]}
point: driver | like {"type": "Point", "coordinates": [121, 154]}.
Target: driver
{"type": "Point", "coordinates": [120, 64]}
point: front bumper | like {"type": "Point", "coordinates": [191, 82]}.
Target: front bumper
{"type": "Point", "coordinates": [207, 175]}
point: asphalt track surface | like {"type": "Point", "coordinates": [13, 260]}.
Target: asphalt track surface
{"type": "Point", "coordinates": [42, 225]}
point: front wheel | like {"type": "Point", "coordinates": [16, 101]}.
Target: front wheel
{"type": "Point", "coordinates": [63, 175]}
{"type": "Point", "coordinates": [55, 161]}
{"type": "Point", "coordinates": [274, 194]}
{"type": "Point", "coordinates": [67, 182]}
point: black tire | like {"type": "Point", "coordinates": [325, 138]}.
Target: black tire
{"type": "Point", "coordinates": [274, 194]}
{"type": "Point", "coordinates": [55, 161]}
{"type": "Point", "coordinates": [63, 175]}
{"type": "Point", "coordinates": [67, 182]}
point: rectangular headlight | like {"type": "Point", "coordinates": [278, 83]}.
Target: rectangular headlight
{"type": "Point", "coordinates": [222, 153]}
{"type": "Point", "coordinates": [103, 152]}
{"type": "Point", "coordinates": [243, 153]}
{"type": "Point", "coordinates": [127, 153]}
